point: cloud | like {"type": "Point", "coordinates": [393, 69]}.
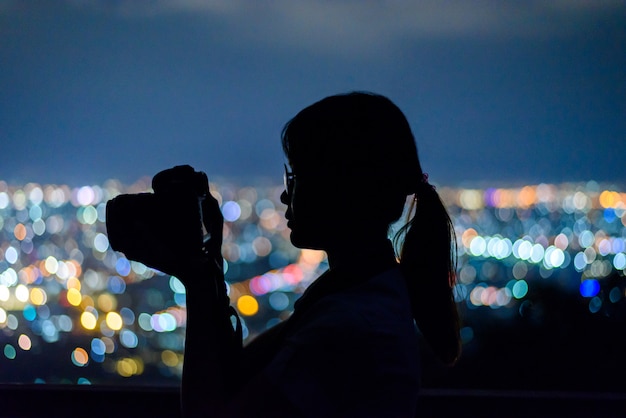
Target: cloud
{"type": "Point", "coordinates": [357, 26]}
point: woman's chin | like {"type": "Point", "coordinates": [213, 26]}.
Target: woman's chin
{"type": "Point", "coordinates": [305, 241]}
{"type": "Point", "coordinates": [295, 240]}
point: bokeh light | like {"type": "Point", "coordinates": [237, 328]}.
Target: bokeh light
{"type": "Point", "coordinates": [80, 357]}
{"type": "Point", "coordinates": [589, 288]}
{"type": "Point", "coordinates": [247, 305]}
{"type": "Point", "coordinates": [74, 297]}
{"type": "Point", "coordinates": [10, 352]}
{"type": "Point", "coordinates": [88, 320]}
{"type": "Point", "coordinates": [114, 321]}
{"type": "Point", "coordinates": [24, 342]}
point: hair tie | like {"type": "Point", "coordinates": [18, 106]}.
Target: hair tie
{"type": "Point", "coordinates": [424, 182]}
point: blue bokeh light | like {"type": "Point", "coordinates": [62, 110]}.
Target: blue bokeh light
{"type": "Point", "coordinates": [589, 288]}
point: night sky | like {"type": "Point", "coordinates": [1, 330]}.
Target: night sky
{"type": "Point", "coordinates": [502, 92]}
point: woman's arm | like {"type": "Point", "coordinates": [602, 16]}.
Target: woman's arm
{"type": "Point", "coordinates": [220, 379]}
{"type": "Point", "coordinates": [212, 346]}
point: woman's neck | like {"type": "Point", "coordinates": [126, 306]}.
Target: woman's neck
{"type": "Point", "coordinates": [365, 251]}
{"type": "Point", "coordinates": [349, 265]}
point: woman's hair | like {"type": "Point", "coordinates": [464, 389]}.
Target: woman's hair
{"type": "Point", "coordinates": [364, 140]}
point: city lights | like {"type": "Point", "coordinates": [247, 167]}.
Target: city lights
{"type": "Point", "coordinates": [61, 283]}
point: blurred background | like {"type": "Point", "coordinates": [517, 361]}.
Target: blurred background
{"type": "Point", "coordinates": [519, 114]}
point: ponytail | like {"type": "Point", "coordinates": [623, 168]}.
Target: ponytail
{"type": "Point", "coordinates": [428, 261]}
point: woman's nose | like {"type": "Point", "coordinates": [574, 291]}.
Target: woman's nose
{"type": "Point", "coordinates": [284, 198]}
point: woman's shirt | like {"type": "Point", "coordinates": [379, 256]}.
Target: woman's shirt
{"type": "Point", "coordinates": [350, 349]}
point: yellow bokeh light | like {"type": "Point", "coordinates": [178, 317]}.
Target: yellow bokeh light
{"type": "Point", "coordinates": [247, 305]}
{"type": "Point", "coordinates": [609, 199]}
{"type": "Point", "coordinates": [125, 368]}
{"type": "Point", "coordinates": [114, 321]}
{"type": "Point", "coordinates": [88, 320]}
{"type": "Point", "coordinates": [139, 364]}
{"type": "Point", "coordinates": [19, 199]}
{"type": "Point", "coordinates": [38, 296]}
{"type": "Point", "coordinates": [169, 358]}
{"type": "Point", "coordinates": [74, 297]}
{"type": "Point", "coordinates": [129, 366]}
{"type": "Point", "coordinates": [24, 342]}
{"type": "Point", "coordinates": [107, 302]}
{"type": "Point", "coordinates": [471, 199]}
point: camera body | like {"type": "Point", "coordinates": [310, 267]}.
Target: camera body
{"type": "Point", "coordinates": [164, 229]}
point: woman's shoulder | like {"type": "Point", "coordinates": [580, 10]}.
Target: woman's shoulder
{"type": "Point", "coordinates": [383, 296]}
{"type": "Point", "coordinates": [377, 305]}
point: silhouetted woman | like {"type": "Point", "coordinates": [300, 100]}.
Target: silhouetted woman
{"type": "Point", "coordinates": [351, 346]}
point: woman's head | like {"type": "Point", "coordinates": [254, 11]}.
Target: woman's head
{"type": "Point", "coordinates": [354, 158]}
{"type": "Point", "coordinates": [362, 137]}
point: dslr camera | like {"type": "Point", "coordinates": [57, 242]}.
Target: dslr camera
{"type": "Point", "coordinates": [164, 229]}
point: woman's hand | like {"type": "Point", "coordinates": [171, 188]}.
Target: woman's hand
{"type": "Point", "coordinates": [179, 245]}
{"type": "Point", "coordinates": [213, 222]}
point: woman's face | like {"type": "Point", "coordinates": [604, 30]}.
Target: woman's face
{"type": "Point", "coordinates": [311, 209]}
